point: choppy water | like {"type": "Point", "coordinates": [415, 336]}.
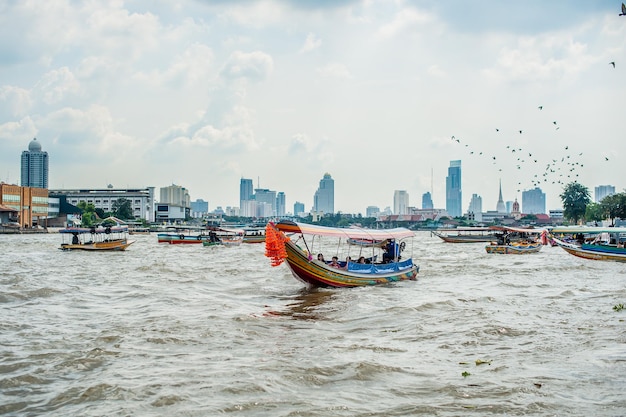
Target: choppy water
{"type": "Point", "coordinates": [198, 331]}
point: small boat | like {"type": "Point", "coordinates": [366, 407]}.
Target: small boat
{"type": "Point", "coordinates": [224, 237]}
{"type": "Point", "coordinates": [180, 238]}
{"type": "Point", "coordinates": [596, 243]}
{"type": "Point", "coordinates": [295, 242]}
{"type": "Point", "coordinates": [139, 231]}
{"type": "Point", "coordinates": [254, 235]}
{"type": "Point", "coordinates": [465, 234]}
{"type": "Point", "coordinates": [95, 239]}
{"type": "Point", "coordinates": [516, 240]}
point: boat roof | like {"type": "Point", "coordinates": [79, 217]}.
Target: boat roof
{"type": "Point", "coordinates": [80, 230]}
{"type": "Point", "coordinates": [587, 229]}
{"type": "Point", "coordinates": [463, 229]}
{"type": "Point", "coordinates": [517, 229]}
{"type": "Point", "coordinates": [351, 233]}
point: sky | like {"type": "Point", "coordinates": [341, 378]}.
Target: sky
{"type": "Point", "coordinates": [381, 95]}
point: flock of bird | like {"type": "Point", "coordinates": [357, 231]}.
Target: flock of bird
{"type": "Point", "coordinates": [526, 163]}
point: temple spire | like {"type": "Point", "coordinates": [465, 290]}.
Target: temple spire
{"type": "Point", "coordinates": [500, 208]}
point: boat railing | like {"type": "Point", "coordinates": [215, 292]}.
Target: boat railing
{"type": "Point", "coordinates": [380, 268]}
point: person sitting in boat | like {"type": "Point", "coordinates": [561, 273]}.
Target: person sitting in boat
{"type": "Point", "coordinates": [320, 258]}
{"type": "Point", "coordinates": [392, 252]}
{"type": "Point", "coordinates": [361, 260]}
{"type": "Point", "coordinates": [348, 260]}
{"type": "Point", "coordinates": [335, 262]}
{"type": "Point", "coordinates": [75, 240]}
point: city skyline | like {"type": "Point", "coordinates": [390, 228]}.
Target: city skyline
{"type": "Point", "coordinates": [380, 94]}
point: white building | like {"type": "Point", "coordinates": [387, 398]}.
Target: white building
{"type": "Point", "coordinates": [400, 202]}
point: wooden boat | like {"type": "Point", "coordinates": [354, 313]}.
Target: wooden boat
{"type": "Point", "coordinates": [465, 234]}
{"type": "Point", "coordinates": [95, 239]}
{"type": "Point", "coordinates": [224, 237]}
{"type": "Point", "coordinates": [609, 244]}
{"type": "Point", "coordinates": [177, 238]}
{"type": "Point", "coordinates": [254, 235]}
{"type": "Point", "coordinates": [516, 240]}
{"type": "Point", "coordinates": [294, 242]}
{"type": "Point", "coordinates": [139, 231]}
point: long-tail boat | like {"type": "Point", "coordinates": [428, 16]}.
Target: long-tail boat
{"type": "Point", "coordinates": [516, 240]}
{"type": "Point", "coordinates": [596, 243]}
{"type": "Point", "coordinates": [297, 242]}
{"type": "Point", "coordinates": [95, 238]}
{"type": "Point", "coordinates": [465, 234]}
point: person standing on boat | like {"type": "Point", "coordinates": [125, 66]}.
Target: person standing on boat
{"type": "Point", "coordinates": [391, 251]}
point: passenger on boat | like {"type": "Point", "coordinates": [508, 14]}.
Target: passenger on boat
{"type": "Point", "coordinates": [320, 257]}
{"type": "Point", "coordinates": [392, 252]}
{"type": "Point", "coordinates": [334, 263]}
{"type": "Point", "coordinates": [348, 260]}
{"type": "Point", "coordinates": [75, 240]}
{"type": "Point", "coordinates": [361, 260]}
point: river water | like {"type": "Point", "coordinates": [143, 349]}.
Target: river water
{"type": "Point", "coordinates": [188, 330]}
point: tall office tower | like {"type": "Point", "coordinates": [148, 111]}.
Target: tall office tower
{"type": "Point", "coordinates": [400, 202]}
{"type": "Point", "coordinates": [476, 204]}
{"type": "Point", "coordinates": [324, 199]}
{"type": "Point", "coordinates": [533, 201]}
{"type": "Point", "coordinates": [280, 204]}
{"type": "Point", "coordinates": [175, 194]}
{"type": "Point", "coordinates": [427, 201]}
{"type": "Point", "coordinates": [298, 208]}
{"type": "Point", "coordinates": [602, 191]}
{"type": "Point", "coordinates": [372, 211]}
{"type": "Point", "coordinates": [454, 194]}
{"type": "Point", "coordinates": [34, 166]}
{"type": "Point", "coordinates": [500, 207]}
{"type": "Point", "coordinates": [246, 193]}
{"type": "Point", "coordinates": [266, 202]}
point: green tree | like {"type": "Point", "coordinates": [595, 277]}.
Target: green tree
{"type": "Point", "coordinates": [88, 214]}
{"type": "Point", "coordinates": [614, 206]}
{"type": "Point", "coordinates": [575, 198]}
{"type": "Point", "coordinates": [122, 209]}
{"type": "Point", "coordinates": [594, 212]}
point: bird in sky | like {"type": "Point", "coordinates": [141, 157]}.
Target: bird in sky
{"type": "Point", "coordinates": [623, 13]}
{"type": "Point", "coordinates": [606, 159]}
{"type": "Point", "coordinates": [540, 107]}
{"type": "Point", "coordinates": [612, 63]}
{"type": "Point", "coordinates": [520, 132]}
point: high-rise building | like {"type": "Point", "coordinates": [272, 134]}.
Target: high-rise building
{"type": "Point", "coordinates": [400, 202]}
{"type": "Point", "coordinates": [199, 208]}
{"type": "Point", "coordinates": [372, 211]}
{"type": "Point", "coordinates": [246, 193]}
{"type": "Point", "coordinates": [454, 194]}
{"type": "Point", "coordinates": [602, 191]}
{"type": "Point", "coordinates": [176, 195]}
{"type": "Point", "coordinates": [34, 166]}
{"type": "Point", "coordinates": [501, 207]}
{"type": "Point", "coordinates": [475, 209]}
{"type": "Point", "coordinates": [298, 208]}
{"type": "Point", "coordinates": [280, 204]}
{"type": "Point", "coordinates": [265, 201]}
{"type": "Point", "coordinates": [427, 201]}
{"type": "Point", "coordinates": [324, 199]}
{"type": "Point", "coordinates": [533, 201]}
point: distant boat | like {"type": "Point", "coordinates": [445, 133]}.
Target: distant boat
{"type": "Point", "coordinates": [465, 234]}
{"type": "Point", "coordinates": [221, 236]}
{"type": "Point", "coordinates": [95, 239]}
{"type": "Point", "coordinates": [596, 243]}
{"type": "Point", "coordinates": [516, 240]}
{"type": "Point", "coordinates": [254, 235]}
{"type": "Point", "coordinates": [295, 243]}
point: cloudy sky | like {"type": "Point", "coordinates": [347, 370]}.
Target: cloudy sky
{"type": "Point", "coordinates": [202, 93]}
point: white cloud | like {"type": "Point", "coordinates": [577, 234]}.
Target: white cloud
{"type": "Point", "coordinates": [311, 42]}
{"type": "Point", "coordinates": [334, 70]}
{"type": "Point", "coordinates": [253, 66]}
{"type": "Point", "coordinates": [14, 101]}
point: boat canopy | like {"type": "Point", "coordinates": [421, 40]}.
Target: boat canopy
{"type": "Point", "coordinates": [585, 229]}
{"type": "Point", "coordinates": [82, 230]}
{"type": "Point", "coordinates": [517, 229]}
{"type": "Point", "coordinates": [350, 233]}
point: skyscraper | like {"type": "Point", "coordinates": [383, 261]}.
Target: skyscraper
{"type": "Point", "coordinates": [34, 166]}
{"type": "Point", "coordinates": [245, 194]}
{"type": "Point", "coordinates": [280, 204]}
{"type": "Point", "coordinates": [453, 189]}
{"type": "Point", "coordinates": [533, 201]}
{"type": "Point", "coordinates": [475, 208]}
{"type": "Point", "coordinates": [298, 208]}
{"type": "Point", "coordinates": [324, 199]}
{"type": "Point", "coordinates": [427, 201]}
{"type": "Point", "coordinates": [400, 202]}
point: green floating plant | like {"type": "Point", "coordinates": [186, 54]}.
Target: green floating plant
{"type": "Point", "coordinates": [618, 307]}
{"type": "Point", "coordinates": [482, 362]}
{"type": "Point", "coordinates": [465, 374]}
